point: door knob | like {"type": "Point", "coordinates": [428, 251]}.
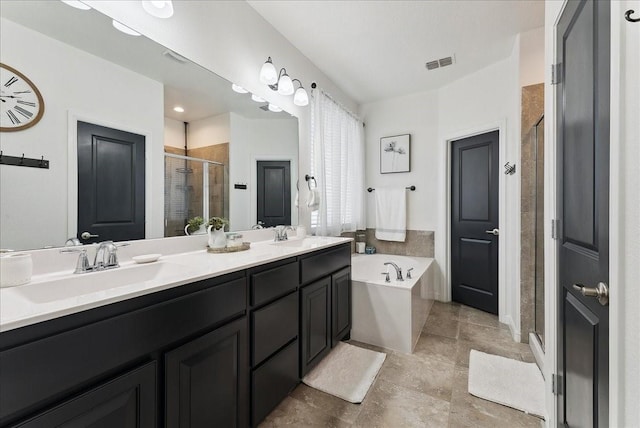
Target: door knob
{"type": "Point", "coordinates": [87, 235]}
{"type": "Point", "coordinates": [600, 292]}
{"type": "Point", "coordinates": [495, 232]}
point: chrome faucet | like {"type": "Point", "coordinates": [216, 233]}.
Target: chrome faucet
{"type": "Point", "coordinates": [106, 257]}
{"type": "Point", "coordinates": [398, 270]}
{"type": "Point", "coordinates": [281, 233]}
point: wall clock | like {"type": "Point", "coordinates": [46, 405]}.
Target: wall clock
{"type": "Point", "coordinates": [21, 104]}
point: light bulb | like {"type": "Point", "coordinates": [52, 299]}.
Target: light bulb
{"type": "Point", "coordinates": [239, 89]}
{"type": "Point", "coordinates": [268, 73]}
{"type": "Point", "coordinates": [285, 85]}
{"type": "Point", "coordinates": [77, 4]}
{"type": "Point", "coordinates": [257, 99]}
{"type": "Point", "coordinates": [159, 9]}
{"type": "Point", "coordinates": [178, 109]}
{"type": "Point", "coordinates": [121, 27]}
{"type": "Point", "coordinates": [274, 108]}
{"type": "Point", "coordinates": [301, 98]}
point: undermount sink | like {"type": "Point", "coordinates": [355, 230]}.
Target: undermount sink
{"type": "Point", "coordinates": [312, 242]}
{"type": "Point", "coordinates": [78, 285]}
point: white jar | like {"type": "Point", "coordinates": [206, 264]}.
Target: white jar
{"type": "Point", "coordinates": [301, 231]}
{"type": "Point", "coordinates": [15, 269]}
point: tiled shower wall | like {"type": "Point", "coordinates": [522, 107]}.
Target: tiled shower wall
{"type": "Point", "coordinates": [532, 110]}
{"type": "Point", "coordinates": [418, 243]}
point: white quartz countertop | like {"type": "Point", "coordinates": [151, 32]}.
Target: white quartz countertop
{"type": "Point", "coordinates": [57, 294]}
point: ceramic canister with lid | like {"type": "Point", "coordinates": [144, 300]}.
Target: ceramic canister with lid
{"type": "Point", "coordinates": [15, 269]}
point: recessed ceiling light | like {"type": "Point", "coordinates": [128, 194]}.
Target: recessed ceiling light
{"type": "Point", "coordinates": [159, 9]}
{"type": "Point", "coordinates": [121, 27]}
{"type": "Point", "coordinates": [274, 108]}
{"type": "Point", "coordinates": [239, 89]}
{"type": "Point", "coordinates": [77, 4]}
{"type": "Point", "coordinates": [178, 109]}
{"type": "Point", "coordinates": [257, 99]}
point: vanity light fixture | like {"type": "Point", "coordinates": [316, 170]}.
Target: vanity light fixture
{"type": "Point", "coordinates": [121, 27]}
{"type": "Point", "coordinates": [158, 8]}
{"type": "Point", "coordinates": [178, 109]}
{"type": "Point", "coordinates": [300, 98]}
{"type": "Point", "coordinates": [239, 89]}
{"type": "Point", "coordinates": [257, 99]}
{"type": "Point", "coordinates": [274, 108]}
{"type": "Point", "coordinates": [282, 83]}
{"type": "Point", "coordinates": [77, 4]}
{"type": "Point", "coordinates": [268, 73]}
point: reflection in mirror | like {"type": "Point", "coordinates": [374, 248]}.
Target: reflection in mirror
{"type": "Point", "coordinates": [89, 72]}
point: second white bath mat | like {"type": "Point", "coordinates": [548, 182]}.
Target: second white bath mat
{"type": "Point", "coordinates": [508, 382]}
{"type": "Point", "coordinates": [347, 372]}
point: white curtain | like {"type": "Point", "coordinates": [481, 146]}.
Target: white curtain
{"type": "Point", "coordinates": [337, 163]}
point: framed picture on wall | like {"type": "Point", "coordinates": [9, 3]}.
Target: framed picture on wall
{"type": "Point", "coordinates": [395, 154]}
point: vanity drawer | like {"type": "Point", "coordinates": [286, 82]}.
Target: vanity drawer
{"type": "Point", "coordinates": [273, 381]}
{"type": "Point", "coordinates": [273, 326]}
{"type": "Point", "coordinates": [271, 283]}
{"type": "Point", "coordinates": [318, 265]}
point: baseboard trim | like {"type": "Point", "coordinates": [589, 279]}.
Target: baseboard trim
{"type": "Point", "coordinates": [536, 348]}
{"type": "Point", "coordinates": [515, 332]}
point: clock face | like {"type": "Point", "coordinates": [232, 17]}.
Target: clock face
{"type": "Point", "coordinates": [21, 104]}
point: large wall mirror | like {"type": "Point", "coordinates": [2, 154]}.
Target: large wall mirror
{"type": "Point", "coordinates": [224, 155]}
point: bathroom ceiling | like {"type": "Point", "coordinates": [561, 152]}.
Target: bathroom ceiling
{"type": "Point", "coordinates": [378, 49]}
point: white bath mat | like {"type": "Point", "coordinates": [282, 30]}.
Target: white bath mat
{"type": "Point", "coordinates": [347, 372]}
{"type": "Point", "coordinates": [505, 381]}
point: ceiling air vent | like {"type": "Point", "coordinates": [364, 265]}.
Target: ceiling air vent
{"type": "Point", "coordinates": [432, 65]}
{"type": "Point", "coordinates": [438, 63]}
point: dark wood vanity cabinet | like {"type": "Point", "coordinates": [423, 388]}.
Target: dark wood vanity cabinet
{"type": "Point", "coordinates": [128, 401]}
{"type": "Point", "coordinates": [274, 312]}
{"type": "Point", "coordinates": [219, 352]}
{"type": "Point", "coordinates": [85, 368]}
{"type": "Point", "coordinates": [325, 303]}
{"type": "Point", "coordinates": [206, 380]}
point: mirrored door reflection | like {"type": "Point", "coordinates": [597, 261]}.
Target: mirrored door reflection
{"type": "Point", "coordinates": [193, 187]}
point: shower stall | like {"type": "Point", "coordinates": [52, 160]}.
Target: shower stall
{"type": "Point", "coordinates": [193, 187]}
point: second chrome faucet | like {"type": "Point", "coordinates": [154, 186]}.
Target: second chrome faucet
{"type": "Point", "coordinates": [106, 257]}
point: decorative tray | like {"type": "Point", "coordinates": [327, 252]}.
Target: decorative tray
{"type": "Point", "coordinates": [244, 247]}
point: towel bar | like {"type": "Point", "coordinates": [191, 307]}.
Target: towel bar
{"type": "Point", "coordinates": [412, 188]}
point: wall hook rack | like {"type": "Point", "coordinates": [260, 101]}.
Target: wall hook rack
{"type": "Point", "coordinates": [509, 169]}
{"type": "Point", "coordinates": [23, 161]}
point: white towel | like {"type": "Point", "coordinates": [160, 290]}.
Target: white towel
{"type": "Point", "coordinates": [297, 200]}
{"type": "Point", "coordinates": [313, 200]}
{"type": "Point", "coordinates": [391, 214]}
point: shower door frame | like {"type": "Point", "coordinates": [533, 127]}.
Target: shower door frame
{"type": "Point", "coordinates": [205, 181]}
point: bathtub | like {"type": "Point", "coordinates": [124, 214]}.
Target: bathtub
{"type": "Point", "coordinates": [390, 314]}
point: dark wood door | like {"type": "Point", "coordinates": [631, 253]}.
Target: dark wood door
{"type": "Point", "coordinates": [128, 401]}
{"type": "Point", "coordinates": [315, 307]}
{"type": "Point", "coordinates": [111, 181]}
{"type": "Point", "coordinates": [207, 380]}
{"type": "Point", "coordinates": [474, 215]}
{"type": "Point", "coordinates": [340, 305]}
{"type": "Point", "coordinates": [274, 193]}
{"type": "Point", "coordinates": [583, 205]}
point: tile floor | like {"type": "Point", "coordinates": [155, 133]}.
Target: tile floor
{"type": "Point", "coordinates": [425, 389]}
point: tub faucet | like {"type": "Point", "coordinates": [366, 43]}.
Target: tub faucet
{"type": "Point", "coordinates": [409, 273]}
{"type": "Point", "coordinates": [398, 270]}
